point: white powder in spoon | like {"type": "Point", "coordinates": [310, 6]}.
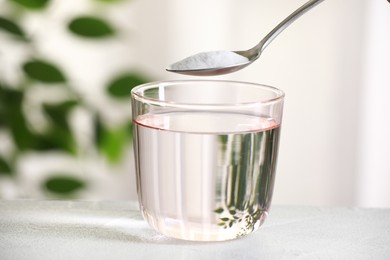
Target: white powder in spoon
{"type": "Point", "coordinates": [212, 59]}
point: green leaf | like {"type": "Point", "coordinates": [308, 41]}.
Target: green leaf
{"type": "Point", "coordinates": [43, 71]}
{"type": "Point", "coordinates": [58, 113]}
{"type": "Point", "coordinates": [21, 133]}
{"type": "Point", "coordinates": [10, 97]}
{"type": "Point", "coordinates": [50, 142]}
{"type": "Point", "coordinates": [2, 117]}
{"type": "Point", "coordinates": [219, 210]}
{"type": "Point", "coordinates": [32, 4]}
{"type": "Point", "coordinates": [56, 139]}
{"type": "Point", "coordinates": [121, 86]}
{"type": "Point", "coordinates": [112, 141]}
{"type": "Point", "coordinates": [5, 168]}
{"type": "Point", "coordinates": [63, 185]}
{"type": "Point", "coordinates": [90, 27]}
{"type": "Point", "coordinates": [232, 212]}
{"type": "Point", "coordinates": [14, 119]}
{"type": "Point", "coordinates": [59, 136]}
{"type": "Point", "coordinates": [11, 27]}
{"type": "Point", "coordinates": [3, 107]}
{"type": "Point", "coordinates": [223, 139]}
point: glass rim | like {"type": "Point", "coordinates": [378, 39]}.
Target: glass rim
{"type": "Point", "coordinates": [135, 93]}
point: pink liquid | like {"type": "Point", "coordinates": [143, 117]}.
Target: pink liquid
{"type": "Point", "coordinates": [205, 176]}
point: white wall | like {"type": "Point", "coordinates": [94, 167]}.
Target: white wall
{"type": "Point", "coordinates": [374, 141]}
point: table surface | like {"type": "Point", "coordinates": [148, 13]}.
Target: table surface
{"type": "Point", "coordinates": [116, 230]}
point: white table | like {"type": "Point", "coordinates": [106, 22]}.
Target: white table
{"type": "Point", "coordinates": [116, 230]}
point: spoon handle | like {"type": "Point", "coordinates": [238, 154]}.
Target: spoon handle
{"type": "Point", "coordinates": [284, 24]}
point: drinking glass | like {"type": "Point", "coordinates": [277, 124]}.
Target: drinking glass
{"type": "Point", "coordinates": [205, 153]}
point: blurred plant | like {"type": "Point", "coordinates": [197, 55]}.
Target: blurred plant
{"type": "Point", "coordinates": [59, 135]}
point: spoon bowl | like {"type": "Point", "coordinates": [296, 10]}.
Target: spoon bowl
{"type": "Point", "coordinates": [212, 71]}
{"type": "Point", "coordinates": [206, 63]}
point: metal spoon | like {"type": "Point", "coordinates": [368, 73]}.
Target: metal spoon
{"type": "Point", "coordinates": [248, 56]}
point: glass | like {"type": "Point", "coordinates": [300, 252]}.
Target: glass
{"type": "Point", "coordinates": [205, 153]}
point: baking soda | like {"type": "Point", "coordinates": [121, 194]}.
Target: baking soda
{"type": "Point", "coordinates": [213, 59]}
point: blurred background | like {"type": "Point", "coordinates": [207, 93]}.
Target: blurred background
{"type": "Point", "coordinates": [67, 67]}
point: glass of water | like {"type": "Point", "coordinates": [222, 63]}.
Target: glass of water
{"type": "Point", "coordinates": [205, 153]}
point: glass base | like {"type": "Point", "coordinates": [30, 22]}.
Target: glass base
{"type": "Point", "coordinates": [225, 229]}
